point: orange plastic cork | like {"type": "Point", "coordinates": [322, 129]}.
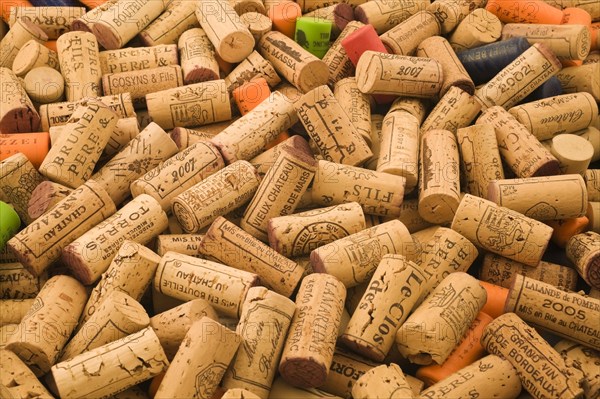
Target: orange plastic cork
{"type": "Point", "coordinates": [564, 229]}
{"type": "Point", "coordinates": [51, 44]}
{"type": "Point", "coordinates": [576, 16]}
{"type": "Point", "coordinates": [250, 94]}
{"type": "Point", "coordinates": [34, 146]}
{"type": "Point", "coordinates": [5, 6]}
{"type": "Point", "coordinates": [496, 298]}
{"type": "Point", "coordinates": [468, 351]}
{"type": "Point", "coordinates": [525, 11]}
{"type": "Point", "coordinates": [283, 15]}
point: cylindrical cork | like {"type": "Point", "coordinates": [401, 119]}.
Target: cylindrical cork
{"type": "Point", "coordinates": [478, 28]}
{"type": "Point", "coordinates": [280, 190]}
{"type": "Point", "coordinates": [404, 38]}
{"type": "Point", "coordinates": [18, 179]}
{"type": "Point", "coordinates": [356, 105]}
{"type": "Point", "coordinates": [178, 17]}
{"type": "Point", "coordinates": [264, 322]}
{"type": "Point", "coordinates": [308, 350]}
{"type": "Point", "coordinates": [521, 77]}
{"type": "Point", "coordinates": [384, 15]}
{"type": "Point", "coordinates": [17, 379]}
{"type": "Point", "coordinates": [12, 311]}
{"type": "Point", "coordinates": [47, 326]}
{"type": "Point", "coordinates": [197, 56]}
{"type": "Point", "coordinates": [574, 153]}
{"type": "Point", "coordinates": [79, 60]}
{"type": "Point", "coordinates": [117, 316]}
{"type": "Point", "coordinates": [298, 66]}
{"type": "Point", "coordinates": [230, 245]}
{"type": "Point", "coordinates": [54, 21]}
{"type": "Point", "coordinates": [439, 178]}
{"type": "Point", "coordinates": [584, 251]}
{"type": "Point", "coordinates": [17, 283]}
{"type": "Point", "coordinates": [564, 229]}
{"type": "Point", "coordinates": [137, 58]}
{"type": "Point", "coordinates": [172, 325]}
{"type": "Point", "coordinates": [353, 259]}
{"type": "Point", "coordinates": [567, 314]}
{"type": "Point", "coordinates": [44, 85]}
{"type": "Point", "coordinates": [455, 110]}
{"type": "Point", "coordinates": [436, 327]}
{"type": "Point", "coordinates": [32, 55]}
{"type": "Point", "coordinates": [339, 15]}
{"type": "Point", "coordinates": [258, 24]}
{"type": "Point", "coordinates": [378, 193]}
{"type": "Point", "coordinates": [124, 131]}
{"type": "Point", "coordinates": [254, 66]}
{"type": "Point", "coordinates": [218, 194]}
{"type": "Point", "coordinates": [300, 233]}
{"type": "Point", "coordinates": [510, 337]}
{"type": "Point", "coordinates": [490, 377]}
{"type": "Point", "coordinates": [18, 114]}
{"type": "Point", "coordinates": [139, 356]}
{"type": "Point", "coordinates": [186, 244]}
{"type": "Point", "coordinates": [376, 137]}
{"type": "Point", "coordinates": [192, 105]}
{"type": "Point", "coordinates": [85, 22]}
{"type": "Point", "coordinates": [409, 215]}
{"type": "Point", "coordinates": [184, 137]}
{"type": "Point", "coordinates": [249, 136]}
{"type": "Point", "coordinates": [542, 198]}
{"type": "Point", "coordinates": [336, 58]}
{"type": "Point", "coordinates": [34, 146]}
{"type": "Point", "coordinates": [90, 255]}
{"type": "Point", "coordinates": [581, 79]}
{"type": "Point", "coordinates": [481, 162]}
{"type": "Point", "coordinates": [385, 382]}
{"type": "Point", "coordinates": [450, 13]}
{"type": "Point", "coordinates": [20, 33]}
{"type": "Point", "coordinates": [41, 243]}
{"type": "Point", "coordinates": [531, 11]}
{"type": "Point", "coordinates": [592, 183]}
{"type": "Point", "coordinates": [178, 173]}
{"type": "Point", "coordinates": [584, 359]}
{"type": "Point", "coordinates": [346, 368]}
{"type": "Point", "coordinates": [224, 287]}
{"type": "Point", "coordinates": [592, 134]}
{"type": "Point", "coordinates": [522, 152]}
{"type": "Point", "coordinates": [391, 294]}
{"type": "Point", "coordinates": [593, 216]}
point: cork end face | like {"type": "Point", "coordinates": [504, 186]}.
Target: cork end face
{"type": "Point", "coordinates": [592, 276]}
{"type": "Point", "coordinates": [342, 15]}
{"type": "Point", "coordinates": [23, 256]}
{"type": "Point", "coordinates": [20, 120]}
{"type": "Point", "coordinates": [77, 264]}
{"type": "Point", "coordinates": [312, 75]}
{"type": "Point", "coordinates": [360, 15]}
{"type": "Point", "coordinates": [200, 75]}
{"type": "Point", "coordinates": [362, 348]}
{"type": "Point", "coordinates": [106, 37]}
{"type": "Point", "coordinates": [549, 54]}
{"type": "Point", "coordinates": [25, 58]}
{"type": "Point", "coordinates": [236, 46]}
{"type": "Point", "coordinates": [79, 25]}
{"type": "Point", "coordinates": [33, 356]}
{"type": "Point", "coordinates": [303, 372]}
{"type": "Point", "coordinates": [184, 216]}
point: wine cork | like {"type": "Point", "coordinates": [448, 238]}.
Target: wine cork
{"type": "Point", "coordinates": [34, 146]}
{"type": "Point", "coordinates": [186, 244]}
{"type": "Point", "coordinates": [593, 216]}
{"type": "Point", "coordinates": [336, 58]}
{"type": "Point", "coordinates": [485, 224]}
{"type": "Point", "coordinates": [581, 79]}
{"type": "Point", "coordinates": [47, 326]}
{"type": "Point", "coordinates": [478, 28]}
{"type": "Point", "coordinates": [178, 17]}
{"type": "Point", "coordinates": [139, 356]}
{"type": "Point", "coordinates": [409, 215]}
{"type": "Point", "coordinates": [520, 150]}
{"type": "Point", "coordinates": [124, 131]}
{"type": "Point", "coordinates": [256, 362]}
{"type": "Point", "coordinates": [242, 7]}
{"type": "Point", "coordinates": [19, 34]}
{"type": "Point", "coordinates": [450, 13]}
{"type": "Point", "coordinates": [382, 382]}
{"type": "Point", "coordinates": [533, 12]}
{"type": "Point", "coordinates": [439, 185]}
{"type": "Point", "coordinates": [523, 75]}
{"type": "Point", "coordinates": [496, 298]}
{"type": "Point", "coordinates": [79, 65]}
{"type": "Point", "coordinates": [313, 34]}
{"type": "Point", "coordinates": [491, 377]}
{"type": "Point", "coordinates": [228, 244]}
{"type": "Point", "coordinates": [356, 105]}
{"type": "Point", "coordinates": [382, 310]}
{"type": "Point", "coordinates": [192, 105]}
{"type": "Point", "coordinates": [197, 55]}
{"type": "Point", "coordinates": [137, 58]}
{"type": "Point", "coordinates": [308, 350]}
{"type": "Point", "coordinates": [384, 16]}
{"type": "Point", "coordinates": [12, 311]}
{"type": "Point", "coordinates": [298, 66]}
{"type": "Point", "coordinates": [574, 153]}
{"type": "Point", "coordinates": [542, 198]}
{"type": "Point", "coordinates": [564, 229]}
{"type": "Point", "coordinates": [41, 243]}
{"type": "Point", "coordinates": [566, 314]}
{"type": "Point", "coordinates": [16, 282]}
{"type": "Point", "coordinates": [44, 85]}
{"type": "Point", "coordinates": [17, 114]}
{"type": "Point", "coordinates": [592, 184]}
{"type": "Point", "coordinates": [404, 38]}
{"type": "Point", "coordinates": [257, 23]}
{"type": "Point", "coordinates": [254, 66]}
{"type": "Point", "coordinates": [215, 196]}
{"type": "Point", "coordinates": [18, 179]}
{"type": "Point", "coordinates": [32, 55]}
{"type": "Point", "coordinates": [184, 137]}
{"type": "Point", "coordinates": [376, 137]}
{"type": "Point", "coordinates": [529, 353]}
{"type": "Point", "coordinates": [584, 251]}
{"type": "Point", "coordinates": [592, 134]}
{"type": "Point", "coordinates": [584, 359]}
{"type": "Point", "coordinates": [346, 368]}
{"type": "Point", "coordinates": [416, 77]}
{"type": "Point", "coordinates": [263, 161]}
{"type": "Point", "coordinates": [455, 110]}
{"type": "Point", "coordinates": [248, 136]}
{"type": "Point", "coordinates": [18, 379]}
{"type": "Point", "coordinates": [85, 22]}
{"type": "Point", "coordinates": [54, 21]}
{"type": "Point", "coordinates": [339, 15]}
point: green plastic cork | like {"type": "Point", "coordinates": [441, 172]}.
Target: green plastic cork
{"type": "Point", "coordinates": [9, 223]}
{"type": "Point", "coordinates": [313, 34]}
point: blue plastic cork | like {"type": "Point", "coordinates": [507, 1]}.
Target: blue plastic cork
{"type": "Point", "coordinates": [483, 63]}
{"type": "Point", "coordinates": [56, 3]}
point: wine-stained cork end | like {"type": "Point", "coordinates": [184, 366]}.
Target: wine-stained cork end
{"type": "Point", "coordinates": [303, 373]}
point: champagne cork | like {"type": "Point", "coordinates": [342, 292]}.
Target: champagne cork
{"type": "Point", "coordinates": [346, 368]}
{"type": "Point", "coordinates": [34, 146]}
{"type": "Point", "coordinates": [376, 137]}
{"type": "Point", "coordinates": [416, 77]}
{"type": "Point", "coordinates": [308, 350]}
{"type": "Point", "coordinates": [584, 359]}
{"type": "Point", "coordinates": [71, 160]}
{"type": "Point", "coordinates": [382, 382]}
{"type": "Point", "coordinates": [186, 244]}
{"type": "Point", "coordinates": [12, 311]}
{"type": "Point", "coordinates": [478, 28]}
{"type": "Point", "coordinates": [574, 153]}
{"type": "Point", "coordinates": [90, 255]}
{"type": "Point", "coordinates": [264, 322]}
{"type": "Point", "coordinates": [17, 114]}
{"type": "Point", "coordinates": [281, 389]}
{"type": "Point", "coordinates": [139, 357]}
{"type": "Point", "coordinates": [439, 185]}
{"type": "Point", "coordinates": [20, 33]}
{"type": "Point", "coordinates": [581, 79]}
{"type": "Point", "coordinates": [436, 327]}
{"type": "Point", "coordinates": [172, 325]}
{"type": "Point", "coordinates": [336, 58]}
{"type": "Point", "coordinates": [519, 78]}
{"type": "Point", "coordinates": [455, 110]}
{"type": "Point", "coordinates": [191, 105]}
{"type": "Point", "coordinates": [186, 278]}
{"type": "Point", "coordinates": [140, 83]}
{"type": "Point", "coordinates": [382, 310]}
{"type": "Point", "coordinates": [54, 21]}
{"type": "Point", "coordinates": [405, 37]}
{"type": "Point", "coordinates": [44, 85]}
{"type": "Point", "coordinates": [41, 243]}
{"type": "Point", "coordinates": [279, 192]}
{"type": "Point", "coordinates": [178, 17]}
{"type": "Point", "coordinates": [353, 259]}
{"type": "Point", "coordinates": [385, 15]}
{"type": "Point", "coordinates": [47, 326]}
{"type": "Point", "coordinates": [248, 136]}
{"type": "Point", "coordinates": [130, 272]}
{"type": "Point", "coordinates": [197, 55]}
{"type": "Point", "coordinates": [521, 151]}
{"type": "Point", "coordinates": [218, 194]}
{"type": "Point", "coordinates": [257, 23]}
{"type": "Point", "coordinates": [117, 316]}
{"type": "Point", "coordinates": [18, 379]}
{"type": "Point", "coordinates": [184, 137]}
{"type": "Point", "coordinates": [137, 58]}
{"type": "Point", "coordinates": [300, 233]}
{"type": "Point", "coordinates": [178, 173]}
{"type": "Point", "coordinates": [32, 55]}
{"type": "Point", "coordinates": [18, 179]}
{"type": "Point", "coordinates": [592, 184]}
{"type": "Point", "coordinates": [17, 283]}
{"type": "Point", "coordinates": [254, 66]}
{"type": "Point", "coordinates": [532, 12]}
{"type": "Point", "coordinates": [80, 65]}
{"type": "Point", "coordinates": [542, 198]}
{"type": "Point", "coordinates": [230, 245]}
{"type": "Point", "coordinates": [298, 66]}
{"type": "Point", "coordinates": [566, 314]}
{"type": "Point", "coordinates": [584, 251]}
{"type": "Point", "coordinates": [450, 13]}
{"type": "Point", "coordinates": [540, 368]}
{"type": "Point", "coordinates": [355, 104]}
